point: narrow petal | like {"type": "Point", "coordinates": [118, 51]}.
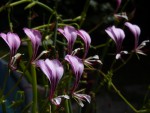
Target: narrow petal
{"type": "Point", "coordinates": [117, 35]}
{"type": "Point", "coordinates": [77, 67]}
{"type": "Point", "coordinates": [12, 40]}
{"type": "Point", "coordinates": [59, 69]}
{"type": "Point", "coordinates": [4, 36]}
{"type": "Point", "coordinates": [135, 30]}
{"type": "Point", "coordinates": [35, 37]}
{"type": "Point", "coordinates": [70, 34]}
{"type": "Point", "coordinates": [86, 38]}
{"type": "Point", "coordinates": [44, 68]}
{"type": "Point", "coordinates": [53, 70]}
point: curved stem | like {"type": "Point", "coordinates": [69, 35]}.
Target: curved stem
{"type": "Point", "coordinates": [18, 2]}
{"type": "Point", "coordinates": [44, 6]}
{"type": "Point", "coordinates": [126, 101]}
{"type": "Point", "coordinates": [119, 93]}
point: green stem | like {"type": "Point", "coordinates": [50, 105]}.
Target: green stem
{"type": "Point", "coordinates": [55, 34]}
{"type": "Point", "coordinates": [123, 63]}
{"type": "Point", "coordinates": [67, 106]}
{"type": "Point", "coordinates": [34, 88]}
{"type": "Point", "coordinates": [44, 6]}
{"type": "Point", "coordinates": [18, 2]}
{"type": "Point", "coordinates": [83, 14]}
{"type": "Point", "coordinates": [9, 20]}
{"type": "Point", "coordinates": [4, 107]}
{"type": "Point", "coordinates": [126, 101]}
{"type": "Point", "coordinates": [122, 97]}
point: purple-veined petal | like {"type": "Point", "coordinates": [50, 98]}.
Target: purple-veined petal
{"type": "Point", "coordinates": [70, 34]}
{"type": "Point", "coordinates": [53, 70]}
{"type": "Point", "coordinates": [13, 41]}
{"type": "Point", "coordinates": [35, 37]}
{"type": "Point", "coordinates": [136, 32]}
{"type": "Point", "coordinates": [117, 35]}
{"type": "Point", "coordinates": [87, 40]}
{"type": "Point", "coordinates": [77, 67]}
{"type": "Point", "coordinates": [44, 68]}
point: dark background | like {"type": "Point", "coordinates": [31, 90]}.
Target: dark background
{"type": "Point", "coordinates": [99, 16]}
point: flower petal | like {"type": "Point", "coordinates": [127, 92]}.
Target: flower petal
{"type": "Point", "coordinates": [35, 37]}
{"type": "Point", "coordinates": [13, 41]}
{"type": "Point", "coordinates": [86, 38]}
{"type": "Point", "coordinates": [77, 67]}
{"type": "Point", "coordinates": [53, 70]}
{"type": "Point", "coordinates": [117, 35]}
{"type": "Point", "coordinates": [70, 34]}
{"type": "Point", "coordinates": [135, 30]}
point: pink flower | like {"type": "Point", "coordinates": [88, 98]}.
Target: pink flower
{"type": "Point", "coordinates": [77, 67]}
{"type": "Point", "coordinates": [118, 36]}
{"type": "Point", "coordinates": [136, 32]}
{"type": "Point", "coordinates": [53, 70]}
{"type": "Point", "coordinates": [70, 34]}
{"type": "Point", "coordinates": [35, 37]}
{"type": "Point", "coordinates": [86, 39]}
{"type": "Point", "coordinates": [13, 41]}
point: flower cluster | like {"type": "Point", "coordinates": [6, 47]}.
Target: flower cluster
{"type": "Point", "coordinates": [52, 68]}
{"type": "Point", "coordinates": [118, 35]}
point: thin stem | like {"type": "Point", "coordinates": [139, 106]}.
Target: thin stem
{"type": "Point", "coordinates": [34, 88]}
{"type": "Point", "coordinates": [83, 14]}
{"type": "Point", "coordinates": [126, 101]}
{"type": "Point", "coordinates": [119, 93]}
{"type": "Point", "coordinates": [123, 63]}
{"type": "Point", "coordinates": [44, 6]}
{"type": "Point", "coordinates": [18, 2]}
{"type": "Point", "coordinates": [55, 35]}
{"type": "Point", "coordinates": [67, 106]}
{"type": "Point", "coordinates": [9, 20]}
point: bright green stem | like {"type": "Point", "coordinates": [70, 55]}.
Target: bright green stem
{"type": "Point", "coordinates": [34, 88]}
